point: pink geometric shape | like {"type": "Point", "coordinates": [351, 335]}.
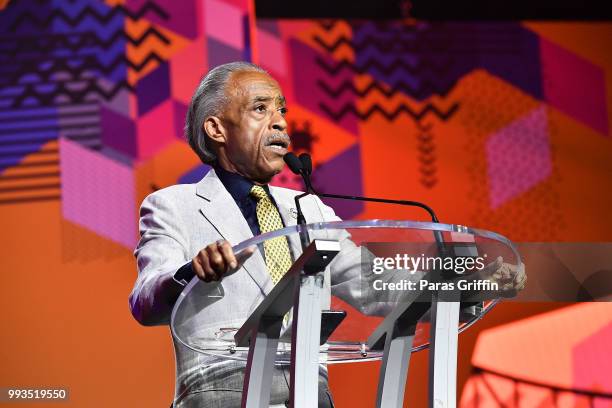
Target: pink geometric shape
{"type": "Point", "coordinates": [271, 52]}
{"type": "Point", "coordinates": [541, 348]}
{"type": "Point", "coordinates": [574, 85]}
{"type": "Point", "coordinates": [224, 23]}
{"type": "Point", "coordinates": [179, 112]}
{"type": "Point", "coordinates": [156, 129]}
{"type": "Point", "coordinates": [518, 157]}
{"type": "Point", "coordinates": [98, 193]}
{"type": "Point", "coordinates": [186, 69]}
{"type": "Point", "coordinates": [592, 362]}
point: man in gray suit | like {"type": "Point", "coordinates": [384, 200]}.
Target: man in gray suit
{"type": "Point", "coordinates": [236, 123]}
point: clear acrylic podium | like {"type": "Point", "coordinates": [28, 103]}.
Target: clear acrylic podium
{"type": "Point", "coordinates": [340, 269]}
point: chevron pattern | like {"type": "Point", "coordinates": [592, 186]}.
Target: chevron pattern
{"type": "Point", "coordinates": [365, 94]}
{"type": "Point", "coordinates": [428, 110]}
{"type": "Point", "coordinates": [503, 126]}
{"type": "Point", "coordinates": [30, 19]}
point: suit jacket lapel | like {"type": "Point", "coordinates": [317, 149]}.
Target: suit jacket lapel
{"type": "Point", "coordinates": [220, 209]}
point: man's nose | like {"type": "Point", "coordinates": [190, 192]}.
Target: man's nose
{"type": "Point", "coordinates": [278, 122]}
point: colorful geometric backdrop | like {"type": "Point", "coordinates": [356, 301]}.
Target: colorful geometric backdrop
{"type": "Point", "coordinates": [503, 126]}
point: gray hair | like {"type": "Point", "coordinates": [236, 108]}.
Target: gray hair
{"type": "Point", "coordinates": [210, 99]}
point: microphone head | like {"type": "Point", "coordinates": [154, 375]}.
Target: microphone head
{"type": "Point", "coordinates": [306, 162]}
{"type": "Point", "coordinates": [295, 165]}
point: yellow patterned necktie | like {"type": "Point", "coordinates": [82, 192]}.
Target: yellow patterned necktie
{"type": "Point", "coordinates": [278, 257]}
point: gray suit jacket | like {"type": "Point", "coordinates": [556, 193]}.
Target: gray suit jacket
{"type": "Point", "coordinates": [176, 223]}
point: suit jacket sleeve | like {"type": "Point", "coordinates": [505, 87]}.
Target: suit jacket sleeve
{"type": "Point", "coordinates": [161, 251]}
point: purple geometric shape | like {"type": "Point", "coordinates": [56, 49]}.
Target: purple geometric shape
{"type": "Point", "coordinates": [219, 53]}
{"type": "Point", "coordinates": [342, 175]}
{"type": "Point", "coordinates": [386, 65]}
{"type": "Point", "coordinates": [194, 175]}
{"type": "Point", "coordinates": [246, 34]}
{"type": "Point", "coordinates": [518, 157]}
{"type": "Point", "coordinates": [513, 54]}
{"type": "Point", "coordinates": [180, 112]}
{"type": "Point", "coordinates": [25, 131]}
{"type": "Point", "coordinates": [89, 53]}
{"type": "Point", "coordinates": [104, 54]}
{"type": "Point", "coordinates": [98, 193]}
{"type": "Point", "coordinates": [306, 77]}
{"type": "Point", "coordinates": [12, 24]}
{"type": "Point", "coordinates": [118, 132]}
{"type": "Point", "coordinates": [429, 59]}
{"type": "Point", "coordinates": [121, 102]}
{"type": "Point", "coordinates": [269, 25]}
{"type": "Point", "coordinates": [153, 89]}
{"type": "Point", "coordinates": [181, 16]}
{"type": "Point", "coordinates": [575, 86]}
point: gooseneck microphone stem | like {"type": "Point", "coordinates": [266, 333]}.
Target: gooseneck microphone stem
{"type": "Point", "coordinates": [296, 167]}
{"type": "Point", "coordinates": [303, 167]}
{"type": "Point", "coordinates": [304, 236]}
{"type": "Point", "coordinates": [433, 216]}
{"type": "Point", "coordinates": [437, 234]}
{"type": "Point", "coordinates": [310, 188]}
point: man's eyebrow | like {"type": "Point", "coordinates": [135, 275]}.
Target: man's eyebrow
{"type": "Point", "coordinates": [280, 99]}
{"type": "Point", "coordinates": [262, 99]}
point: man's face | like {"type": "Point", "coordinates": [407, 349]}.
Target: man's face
{"type": "Point", "coordinates": [255, 129]}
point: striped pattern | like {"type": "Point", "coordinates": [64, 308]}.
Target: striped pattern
{"type": "Point", "coordinates": [29, 153]}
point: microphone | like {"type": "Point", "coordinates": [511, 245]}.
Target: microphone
{"type": "Point", "coordinates": [295, 164]}
{"type": "Point", "coordinates": [306, 163]}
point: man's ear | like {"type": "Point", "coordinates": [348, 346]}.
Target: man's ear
{"type": "Point", "coordinates": [214, 129]}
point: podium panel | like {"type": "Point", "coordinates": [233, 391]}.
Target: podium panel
{"type": "Point", "coordinates": [367, 279]}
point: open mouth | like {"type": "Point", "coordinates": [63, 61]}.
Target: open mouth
{"type": "Point", "coordinates": [279, 144]}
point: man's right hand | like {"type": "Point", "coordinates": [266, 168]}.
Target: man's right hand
{"type": "Point", "coordinates": [217, 259]}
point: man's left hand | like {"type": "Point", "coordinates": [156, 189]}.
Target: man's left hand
{"type": "Point", "coordinates": [509, 277]}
